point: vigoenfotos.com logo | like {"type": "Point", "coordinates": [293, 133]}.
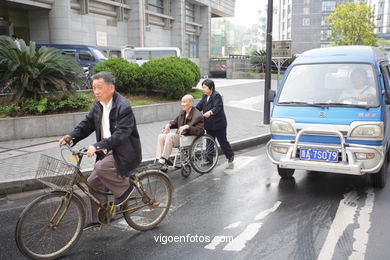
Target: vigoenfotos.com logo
{"type": "Point", "coordinates": [188, 238]}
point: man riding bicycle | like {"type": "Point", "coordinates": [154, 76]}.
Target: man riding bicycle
{"type": "Point", "coordinates": [118, 145]}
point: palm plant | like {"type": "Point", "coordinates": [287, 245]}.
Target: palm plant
{"type": "Point", "coordinates": [258, 59]}
{"type": "Point", "coordinates": [31, 73]}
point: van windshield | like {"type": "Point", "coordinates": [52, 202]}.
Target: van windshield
{"type": "Point", "coordinates": [349, 84]}
{"type": "Point", "coordinates": [99, 54]}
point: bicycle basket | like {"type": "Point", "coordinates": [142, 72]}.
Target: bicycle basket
{"type": "Point", "coordinates": [55, 173]}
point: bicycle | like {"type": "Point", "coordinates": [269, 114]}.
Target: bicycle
{"type": "Point", "coordinates": [52, 224]}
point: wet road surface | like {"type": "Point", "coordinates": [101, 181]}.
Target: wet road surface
{"type": "Point", "coordinates": [246, 212]}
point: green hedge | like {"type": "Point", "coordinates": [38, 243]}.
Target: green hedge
{"type": "Point", "coordinates": [47, 105]}
{"type": "Point", "coordinates": [168, 78]}
{"type": "Point", "coordinates": [126, 74]}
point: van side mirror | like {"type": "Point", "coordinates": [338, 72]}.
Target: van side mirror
{"type": "Point", "coordinates": [271, 95]}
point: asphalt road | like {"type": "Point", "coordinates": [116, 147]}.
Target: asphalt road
{"type": "Point", "coordinates": [254, 214]}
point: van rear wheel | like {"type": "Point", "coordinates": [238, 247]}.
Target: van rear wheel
{"type": "Point", "coordinates": [379, 179]}
{"type": "Point", "coordinates": [285, 173]}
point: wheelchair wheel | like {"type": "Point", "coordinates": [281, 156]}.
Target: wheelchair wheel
{"type": "Point", "coordinates": [204, 154]}
{"type": "Point", "coordinates": [186, 170]}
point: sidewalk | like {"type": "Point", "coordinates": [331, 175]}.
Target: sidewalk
{"type": "Point", "coordinates": [19, 158]}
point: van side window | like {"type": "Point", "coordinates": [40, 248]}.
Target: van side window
{"type": "Point", "coordinates": [115, 54]}
{"type": "Point", "coordinates": [86, 56]}
{"type": "Point", "coordinates": [69, 52]}
{"type": "Point", "coordinates": [386, 78]}
{"type": "Point", "coordinates": [162, 54]}
{"type": "Point", "coordinates": [142, 55]}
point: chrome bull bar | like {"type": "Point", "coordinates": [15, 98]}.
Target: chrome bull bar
{"type": "Point", "coordinates": [291, 156]}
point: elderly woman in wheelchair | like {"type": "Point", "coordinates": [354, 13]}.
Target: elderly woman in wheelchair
{"type": "Point", "coordinates": [195, 148]}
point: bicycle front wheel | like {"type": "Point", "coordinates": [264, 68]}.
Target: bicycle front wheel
{"type": "Point", "coordinates": [150, 204]}
{"type": "Point", "coordinates": [50, 226]}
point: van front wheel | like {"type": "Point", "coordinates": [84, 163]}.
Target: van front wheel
{"type": "Point", "coordinates": [285, 173]}
{"type": "Point", "coordinates": [379, 179]}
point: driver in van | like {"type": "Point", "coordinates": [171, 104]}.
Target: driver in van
{"type": "Point", "coordinates": [361, 89]}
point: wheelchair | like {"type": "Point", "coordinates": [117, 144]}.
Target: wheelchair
{"type": "Point", "coordinates": [196, 152]}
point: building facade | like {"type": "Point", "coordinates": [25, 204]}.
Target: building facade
{"type": "Point", "coordinates": [140, 23]}
{"type": "Point", "coordinates": [304, 22]}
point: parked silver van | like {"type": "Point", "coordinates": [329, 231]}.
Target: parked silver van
{"type": "Point", "coordinates": [143, 55]}
{"type": "Point", "coordinates": [126, 52]}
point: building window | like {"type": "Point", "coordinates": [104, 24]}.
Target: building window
{"type": "Point", "coordinates": [328, 6]}
{"type": "Point", "coordinates": [325, 34]}
{"type": "Point", "coordinates": [156, 6]}
{"type": "Point", "coordinates": [323, 21]}
{"type": "Point", "coordinates": [192, 46]}
{"type": "Point", "coordinates": [306, 10]}
{"type": "Point", "coordinates": [190, 12]}
{"type": "Point", "coordinates": [306, 21]}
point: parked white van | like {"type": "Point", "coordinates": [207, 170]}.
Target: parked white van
{"type": "Point", "coordinates": [126, 52]}
{"type": "Point", "coordinates": [145, 54]}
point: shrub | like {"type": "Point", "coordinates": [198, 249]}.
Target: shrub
{"type": "Point", "coordinates": [30, 73]}
{"type": "Point", "coordinates": [126, 74]}
{"type": "Point", "coordinates": [53, 104]}
{"type": "Point", "coordinates": [191, 65]}
{"type": "Point", "coordinates": [167, 77]}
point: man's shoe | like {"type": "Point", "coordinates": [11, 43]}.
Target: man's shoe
{"type": "Point", "coordinates": [124, 197]}
{"type": "Point", "coordinates": [94, 225]}
{"type": "Point", "coordinates": [163, 167]}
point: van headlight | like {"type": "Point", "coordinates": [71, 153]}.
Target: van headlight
{"type": "Point", "coordinates": [281, 127]}
{"type": "Point", "coordinates": [367, 131]}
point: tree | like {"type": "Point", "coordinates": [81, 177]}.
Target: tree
{"type": "Point", "coordinates": [31, 73]}
{"type": "Point", "coordinates": [352, 24]}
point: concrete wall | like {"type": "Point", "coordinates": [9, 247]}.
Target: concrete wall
{"type": "Point", "coordinates": [61, 124]}
{"type": "Point", "coordinates": [158, 37]}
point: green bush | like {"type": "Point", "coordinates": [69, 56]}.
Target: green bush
{"type": "Point", "coordinates": [126, 74]}
{"type": "Point", "coordinates": [167, 78]}
{"type": "Point", "coordinates": [30, 73]}
{"type": "Point", "coordinates": [46, 105]}
{"type": "Point", "coordinates": [191, 65]}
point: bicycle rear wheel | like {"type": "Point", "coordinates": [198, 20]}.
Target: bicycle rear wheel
{"type": "Point", "coordinates": [37, 235]}
{"type": "Point", "coordinates": [150, 209]}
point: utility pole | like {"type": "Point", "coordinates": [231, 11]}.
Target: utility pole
{"type": "Point", "coordinates": [268, 64]}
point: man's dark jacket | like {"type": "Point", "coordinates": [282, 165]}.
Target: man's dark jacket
{"type": "Point", "coordinates": [194, 120]}
{"type": "Point", "coordinates": [124, 140]}
{"type": "Point", "coordinates": [218, 119]}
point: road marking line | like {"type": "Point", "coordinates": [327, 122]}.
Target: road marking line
{"type": "Point", "coordinates": [233, 225]}
{"type": "Point", "coordinates": [344, 217]}
{"type": "Point", "coordinates": [239, 242]}
{"type": "Point", "coordinates": [361, 234]}
{"type": "Point", "coordinates": [266, 212]}
{"type": "Point", "coordinates": [250, 231]}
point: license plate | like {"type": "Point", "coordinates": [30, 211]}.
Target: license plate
{"type": "Point", "coordinates": [319, 154]}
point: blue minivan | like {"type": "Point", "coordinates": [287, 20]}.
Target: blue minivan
{"type": "Point", "coordinates": [85, 55]}
{"type": "Point", "coordinates": [331, 114]}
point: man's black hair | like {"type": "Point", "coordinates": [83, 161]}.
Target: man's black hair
{"type": "Point", "coordinates": [108, 77]}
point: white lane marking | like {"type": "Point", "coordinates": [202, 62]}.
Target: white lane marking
{"type": "Point", "coordinates": [344, 216]}
{"type": "Point", "coordinates": [239, 242]}
{"type": "Point", "coordinates": [361, 234]}
{"type": "Point", "coordinates": [265, 213]}
{"type": "Point", "coordinates": [233, 225]}
{"type": "Point", "coordinates": [250, 231]}
{"type": "Point", "coordinates": [215, 242]}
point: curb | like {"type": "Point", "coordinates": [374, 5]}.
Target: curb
{"type": "Point", "coordinates": [32, 184]}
